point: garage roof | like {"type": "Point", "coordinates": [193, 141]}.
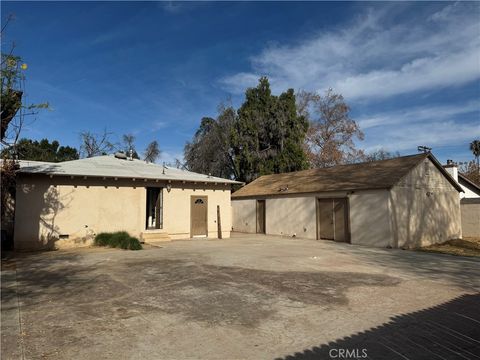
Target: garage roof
{"type": "Point", "coordinates": [111, 166]}
{"type": "Point", "coordinates": [381, 174]}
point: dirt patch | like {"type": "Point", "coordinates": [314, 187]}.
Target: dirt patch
{"type": "Point", "coordinates": [462, 247]}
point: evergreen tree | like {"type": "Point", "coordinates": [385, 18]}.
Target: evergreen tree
{"type": "Point", "coordinates": [268, 135]}
{"type": "Point", "coordinates": [43, 150]}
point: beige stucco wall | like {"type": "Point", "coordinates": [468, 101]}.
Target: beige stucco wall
{"type": "Point", "coordinates": [49, 207]}
{"type": "Point", "coordinates": [289, 215]}
{"type": "Point", "coordinates": [425, 208]}
{"type": "Point", "coordinates": [470, 218]}
{"type": "Point", "coordinates": [369, 218]}
{"type": "Point", "coordinates": [244, 215]}
{"type": "Point", "coordinates": [176, 210]}
{"type": "Point", "coordinates": [285, 215]}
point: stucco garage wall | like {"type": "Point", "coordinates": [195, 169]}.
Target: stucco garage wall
{"type": "Point", "coordinates": [291, 215]}
{"type": "Point", "coordinates": [470, 209]}
{"type": "Point", "coordinates": [244, 215]}
{"type": "Point", "coordinates": [425, 208]}
{"type": "Point", "coordinates": [369, 218]}
{"type": "Point", "coordinates": [296, 214]}
{"type": "Point", "coordinates": [49, 207]}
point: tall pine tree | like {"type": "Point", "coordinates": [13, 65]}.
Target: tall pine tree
{"type": "Point", "coordinates": [268, 134]}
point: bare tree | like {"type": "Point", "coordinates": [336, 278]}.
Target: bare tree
{"type": "Point", "coordinates": [380, 154]}
{"type": "Point", "coordinates": [475, 149]}
{"type": "Point", "coordinates": [129, 145]}
{"type": "Point", "coordinates": [14, 110]}
{"type": "Point", "coordinates": [93, 144]}
{"type": "Point", "coordinates": [471, 170]}
{"type": "Point", "coordinates": [210, 151]}
{"type": "Point", "coordinates": [152, 152]}
{"type": "Point", "coordinates": [331, 134]}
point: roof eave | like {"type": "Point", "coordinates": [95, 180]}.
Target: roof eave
{"type": "Point", "coordinates": [311, 192]}
{"type": "Point", "coordinates": [464, 178]}
{"type": "Point", "coordinates": [445, 172]}
{"type": "Point", "coordinates": [196, 181]}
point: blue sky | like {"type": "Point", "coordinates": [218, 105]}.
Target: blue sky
{"type": "Point", "coordinates": [410, 71]}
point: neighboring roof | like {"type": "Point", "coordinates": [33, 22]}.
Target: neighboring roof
{"type": "Point", "coordinates": [469, 183]}
{"type": "Point", "coordinates": [381, 174]}
{"type": "Point", "coordinates": [110, 166]}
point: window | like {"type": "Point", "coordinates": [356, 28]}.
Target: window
{"type": "Point", "coordinates": [199, 201]}
{"type": "Point", "coordinates": [154, 208]}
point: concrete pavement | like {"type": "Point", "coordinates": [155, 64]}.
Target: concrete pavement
{"type": "Point", "coordinates": [248, 297]}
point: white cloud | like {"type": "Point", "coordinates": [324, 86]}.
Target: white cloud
{"type": "Point", "coordinates": [435, 126]}
{"type": "Point", "coordinates": [370, 59]}
{"type": "Point", "coordinates": [158, 125]}
{"type": "Point", "coordinates": [419, 114]}
{"type": "Point", "coordinates": [441, 134]}
{"type": "Point", "coordinates": [169, 157]}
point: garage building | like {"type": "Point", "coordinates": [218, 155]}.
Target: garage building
{"type": "Point", "coordinates": [405, 202]}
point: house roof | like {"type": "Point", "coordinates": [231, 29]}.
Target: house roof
{"type": "Point", "coordinates": [381, 174]}
{"type": "Point", "coordinates": [110, 166]}
{"type": "Point", "coordinates": [468, 183]}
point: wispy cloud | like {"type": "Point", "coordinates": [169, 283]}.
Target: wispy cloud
{"type": "Point", "coordinates": [444, 134]}
{"type": "Point", "coordinates": [157, 125]}
{"type": "Point", "coordinates": [420, 114]}
{"type": "Point", "coordinates": [169, 156]}
{"type": "Point", "coordinates": [372, 58]}
{"type": "Point", "coordinates": [176, 7]}
{"type": "Point", "coordinates": [436, 126]}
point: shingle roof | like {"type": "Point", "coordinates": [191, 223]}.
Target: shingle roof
{"type": "Point", "coordinates": [467, 182]}
{"type": "Point", "coordinates": [381, 174]}
{"type": "Point", "coordinates": [110, 166]}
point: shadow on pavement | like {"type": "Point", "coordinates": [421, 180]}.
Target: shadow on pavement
{"type": "Point", "coordinates": [447, 331]}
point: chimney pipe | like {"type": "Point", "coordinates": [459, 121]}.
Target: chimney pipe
{"type": "Point", "coordinates": [452, 169]}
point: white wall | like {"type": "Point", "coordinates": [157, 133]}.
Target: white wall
{"type": "Point", "coordinates": [468, 191]}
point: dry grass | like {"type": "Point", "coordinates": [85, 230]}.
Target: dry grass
{"type": "Point", "coordinates": [463, 247]}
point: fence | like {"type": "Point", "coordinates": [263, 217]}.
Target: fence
{"type": "Point", "coordinates": [470, 209]}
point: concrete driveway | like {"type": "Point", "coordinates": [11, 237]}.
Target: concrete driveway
{"type": "Point", "coordinates": [249, 297]}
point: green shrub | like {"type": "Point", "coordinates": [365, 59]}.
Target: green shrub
{"type": "Point", "coordinates": [102, 239]}
{"type": "Point", "coordinates": [119, 239]}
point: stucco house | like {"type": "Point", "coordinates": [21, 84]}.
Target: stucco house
{"type": "Point", "coordinates": [66, 204]}
{"type": "Point", "coordinates": [406, 202]}
{"type": "Point", "coordinates": [469, 201]}
{"type": "Point", "coordinates": [470, 189]}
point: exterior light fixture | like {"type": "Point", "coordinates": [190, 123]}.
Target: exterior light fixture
{"type": "Point", "coordinates": [169, 187]}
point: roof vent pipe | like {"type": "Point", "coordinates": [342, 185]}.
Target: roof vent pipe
{"type": "Point", "coordinates": [130, 154]}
